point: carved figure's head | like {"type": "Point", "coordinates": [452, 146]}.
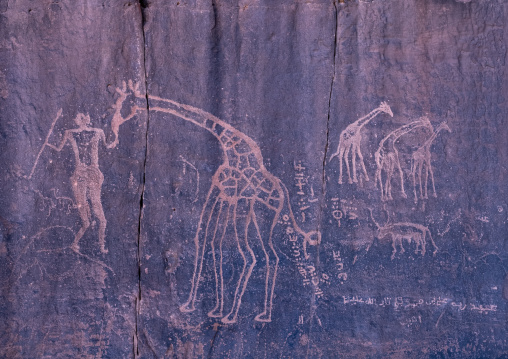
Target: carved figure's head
{"type": "Point", "coordinates": [82, 120]}
{"type": "Point", "coordinates": [386, 108]}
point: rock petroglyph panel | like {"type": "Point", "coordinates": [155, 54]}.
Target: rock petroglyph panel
{"type": "Point", "coordinates": [282, 180]}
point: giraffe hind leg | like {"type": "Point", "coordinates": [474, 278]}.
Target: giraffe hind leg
{"type": "Point", "coordinates": [346, 158]}
{"type": "Point", "coordinates": [403, 192]}
{"type": "Point", "coordinates": [218, 236]}
{"type": "Point", "coordinates": [200, 243]}
{"type": "Point", "coordinates": [242, 219]}
{"type": "Point", "coordinates": [432, 180]}
{"type": "Point", "coordinates": [413, 175]}
{"type": "Point", "coordinates": [353, 160]}
{"type": "Point", "coordinates": [265, 222]}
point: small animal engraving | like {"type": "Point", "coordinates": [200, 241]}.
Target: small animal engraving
{"type": "Point", "coordinates": [410, 232]}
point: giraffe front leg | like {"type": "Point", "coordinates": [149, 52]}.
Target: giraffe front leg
{"type": "Point", "coordinates": [389, 175]}
{"type": "Point", "coordinates": [241, 220]}
{"type": "Point", "coordinates": [413, 176]}
{"type": "Point", "coordinates": [200, 243]}
{"type": "Point", "coordinates": [341, 163]}
{"type": "Point", "coordinates": [379, 178]}
{"type": "Point", "coordinates": [403, 191]}
{"type": "Point", "coordinates": [265, 221]}
{"type": "Point", "coordinates": [346, 158]}
{"type": "Point", "coordinates": [353, 159]}
{"type": "Point", "coordinates": [360, 156]}
{"type": "Point", "coordinates": [220, 231]}
{"type": "Point", "coordinates": [420, 170]}
{"type": "Point", "coordinates": [432, 180]}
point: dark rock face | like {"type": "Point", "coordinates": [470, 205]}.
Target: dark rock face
{"type": "Point", "coordinates": [278, 179]}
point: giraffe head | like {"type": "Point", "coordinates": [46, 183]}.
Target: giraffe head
{"type": "Point", "coordinates": [426, 122]}
{"type": "Point", "coordinates": [386, 108]}
{"type": "Point", "coordinates": [443, 126]}
{"type": "Point", "coordinates": [313, 238]}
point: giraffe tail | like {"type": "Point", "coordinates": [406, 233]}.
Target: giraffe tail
{"type": "Point", "coordinates": [312, 238]}
{"type": "Point", "coordinates": [334, 155]}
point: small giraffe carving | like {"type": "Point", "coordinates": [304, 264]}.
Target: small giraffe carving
{"type": "Point", "coordinates": [243, 194]}
{"type": "Point", "coordinates": [387, 157]}
{"type": "Point", "coordinates": [422, 158]}
{"type": "Point", "coordinates": [350, 140]}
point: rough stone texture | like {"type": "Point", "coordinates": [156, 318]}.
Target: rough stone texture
{"type": "Point", "coordinates": [216, 87]}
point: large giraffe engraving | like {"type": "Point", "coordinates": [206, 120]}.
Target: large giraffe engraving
{"type": "Point", "coordinates": [387, 157]}
{"type": "Point", "coordinates": [243, 194]}
{"type": "Point", "coordinates": [422, 158]}
{"type": "Point", "coordinates": [350, 140]}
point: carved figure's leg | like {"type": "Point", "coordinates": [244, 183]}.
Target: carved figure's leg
{"type": "Point", "coordinates": [242, 220]}
{"type": "Point", "coordinates": [221, 227]}
{"type": "Point", "coordinates": [79, 189]}
{"type": "Point", "coordinates": [200, 243]}
{"type": "Point", "coordinates": [94, 191]}
{"type": "Point", "coordinates": [394, 247]}
{"type": "Point", "coordinates": [423, 243]}
{"type": "Point", "coordinates": [265, 221]}
{"type": "Point", "coordinates": [399, 239]}
{"type": "Point", "coordinates": [432, 241]}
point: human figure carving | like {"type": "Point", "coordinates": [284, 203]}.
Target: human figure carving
{"type": "Point", "coordinates": [411, 232]}
{"type": "Point", "coordinates": [350, 140]}
{"type": "Point", "coordinates": [243, 194]}
{"type": "Point", "coordinates": [87, 178]}
{"type": "Point", "coordinates": [387, 157]}
{"type": "Point", "coordinates": [422, 158]}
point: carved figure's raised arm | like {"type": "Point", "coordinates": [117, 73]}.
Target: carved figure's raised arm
{"type": "Point", "coordinates": [62, 144]}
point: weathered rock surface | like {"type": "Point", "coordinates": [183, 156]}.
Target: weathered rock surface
{"type": "Point", "coordinates": [271, 179]}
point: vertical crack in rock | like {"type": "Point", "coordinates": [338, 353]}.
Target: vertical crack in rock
{"type": "Point", "coordinates": [142, 5]}
{"type": "Point", "coordinates": [323, 188]}
{"type": "Point", "coordinates": [330, 97]}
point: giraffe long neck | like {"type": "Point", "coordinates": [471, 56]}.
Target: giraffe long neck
{"type": "Point", "coordinates": [433, 136]}
{"type": "Point", "coordinates": [367, 118]}
{"type": "Point", "coordinates": [231, 140]}
{"type": "Point", "coordinates": [401, 131]}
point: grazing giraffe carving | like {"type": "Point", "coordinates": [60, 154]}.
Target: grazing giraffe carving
{"type": "Point", "coordinates": [350, 140]}
{"type": "Point", "coordinates": [387, 157]}
{"type": "Point", "coordinates": [422, 157]}
{"type": "Point", "coordinates": [243, 193]}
